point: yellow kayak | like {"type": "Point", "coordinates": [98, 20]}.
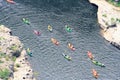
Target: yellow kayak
{"type": "Point", "coordinates": [50, 28]}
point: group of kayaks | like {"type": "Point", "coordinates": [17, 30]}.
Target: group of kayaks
{"type": "Point", "coordinates": [94, 72]}
{"type": "Point", "coordinates": [69, 45]}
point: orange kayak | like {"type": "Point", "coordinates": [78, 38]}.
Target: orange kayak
{"type": "Point", "coordinates": [11, 1]}
{"type": "Point", "coordinates": [90, 55]}
{"type": "Point", "coordinates": [54, 41]}
{"type": "Point", "coordinates": [71, 46]}
{"type": "Point", "coordinates": [95, 74]}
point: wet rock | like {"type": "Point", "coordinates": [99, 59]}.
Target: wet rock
{"type": "Point", "coordinates": [109, 20]}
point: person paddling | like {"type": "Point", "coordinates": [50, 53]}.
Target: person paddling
{"type": "Point", "coordinates": [90, 55]}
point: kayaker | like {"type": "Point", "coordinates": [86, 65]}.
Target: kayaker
{"type": "Point", "coordinates": [54, 41]}
{"type": "Point", "coordinates": [49, 28]}
{"type": "Point", "coordinates": [71, 46]}
{"type": "Point", "coordinates": [29, 52]}
{"type": "Point", "coordinates": [37, 32]}
{"type": "Point", "coordinates": [68, 29]}
{"type": "Point", "coordinates": [11, 1]}
{"type": "Point", "coordinates": [90, 55]}
{"type": "Point", "coordinates": [95, 74]}
{"type": "Point", "coordinates": [26, 21]}
{"type": "Point", "coordinates": [98, 63]}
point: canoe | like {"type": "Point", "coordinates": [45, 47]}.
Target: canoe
{"type": "Point", "coordinates": [29, 52]}
{"type": "Point", "coordinates": [67, 57]}
{"type": "Point", "coordinates": [95, 73]}
{"type": "Point", "coordinates": [50, 28]}
{"type": "Point", "coordinates": [70, 46]}
{"type": "Point", "coordinates": [54, 41]}
{"type": "Point", "coordinates": [11, 1]}
{"type": "Point", "coordinates": [37, 32]}
{"type": "Point", "coordinates": [90, 55]}
{"type": "Point", "coordinates": [26, 21]}
{"type": "Point", "coordinates": [68, 29]}
{"type": "Point", "coordinates": [98, 63]}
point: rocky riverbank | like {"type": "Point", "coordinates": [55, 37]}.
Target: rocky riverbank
{"type": "Point", "coordinates": [109, 20]}
{"type": "Point", "coordinates": [13, 58]}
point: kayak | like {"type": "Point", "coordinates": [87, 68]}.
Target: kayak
{"type": "Point", "coordinates": [29, 52]}
{"type": "Point", "coordinates": [37, 32]}
{"type": "Point", "coordinates": [11, 1]}
{"type": "Point", "coordinates": [26, 21]}
{"type": "Point", "coordinates": [54, 41]}
{"type": "Point", "coordinates": [50, 28]}
{"type": "Point", "coordinates": [95, 73]}
{"type": "Point", "coordinates": [90, 55]}
{"type": "Point", "coordinates": [68, 29]}
{"type": "Point", "coordinates": [67, 57]}
{"type": "Point", "coordinates": [71, 46]}
{"type": "Point", "coordinates": [98, 63]}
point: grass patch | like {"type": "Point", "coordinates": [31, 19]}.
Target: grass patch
{"type": "Point", "coordinates": [4, 74]}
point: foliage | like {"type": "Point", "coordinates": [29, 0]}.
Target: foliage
{"type": "Point", "coordinates": [13, 47]}
{"type": "Point", "coordinates": [1, 61]}
{"type": "Point", "coordinates": [104, 15]}
{"type": "Point", "coordinates": [4, 74]}
{"type": "Point", "coordinates": [17, 65]}
{"type": "Point", "coordinates": [114, 2]}
{"type": "Point", "coordinates": [2, 55]}
{"type": "Point", "coordinates": [14, 58]}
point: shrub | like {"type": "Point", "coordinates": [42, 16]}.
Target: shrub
{"type": "Point", "coordinates": [14, 58]}
{"type": "Point", "coordinates": [17, 65]}
{"type": "Point", "coordinates": [4, 74]}
{"type": "Point", "coordinates": [14, 69]}
{"type": "Point", "coordinates": [1, 61]}
{"type": "Point", "coordinates": [13, 47]}
{"type": "Point", "coordinates": [104, 15]}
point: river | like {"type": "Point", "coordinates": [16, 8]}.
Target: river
{"type": "Point", "coordinates": [47, 58]}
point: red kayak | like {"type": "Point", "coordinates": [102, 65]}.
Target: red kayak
{"type": "Point", "coordinates": [71, 47]}
{"type": "Point", "coordinates": [11, 1]}
{"type": "Point", "coordinates": [90, 55]}
{"type": "Point", "coordinates": [54, 41]}
{"type": "Point", "coordinates": [37, 32]}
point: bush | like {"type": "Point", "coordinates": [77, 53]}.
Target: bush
{"type": "Point", "coordinates": [1, 61]}
{"type": "Point", "coordinates": [104, 15]}
{"type": "Point", "coordinates": [17, 65]}
{"type": "Point", "coordinates": [14, 58]}
{"type": "Point", "coordinates": [115, 3]}
{"type": "Point", "coordinates": [4, 74]}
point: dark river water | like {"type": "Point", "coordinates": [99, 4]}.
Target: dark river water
{"type": "Point", "coordinates": [47, 58]}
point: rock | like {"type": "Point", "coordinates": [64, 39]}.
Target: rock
{"type": "Point", "coordinates": [13, 59]}
{"type": "Point", "coordinates": [109, 20]}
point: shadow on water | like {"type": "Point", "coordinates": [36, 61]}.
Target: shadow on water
{"type": "Point", "coordinates": [48, 60]}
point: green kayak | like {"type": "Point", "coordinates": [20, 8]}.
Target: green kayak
{"type": "Point", "coordinates": [26, 21]}
{"type": "Point", "coordinates": [68, 29]}
{"type": "Point", "coordinates": [67, 57]}
{"type": "Point", "coordinates": [98, 63]}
